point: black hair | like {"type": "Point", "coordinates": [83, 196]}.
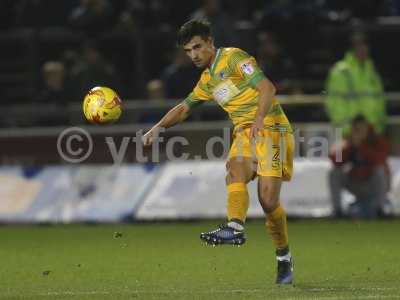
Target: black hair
{"type": "Point", "coordinates": [359, 119]}
{"type": "Point", "coordinates": [192, 28]}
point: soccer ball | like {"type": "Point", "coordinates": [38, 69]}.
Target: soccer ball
{"type": "Point", "coordinates": [102, 105]}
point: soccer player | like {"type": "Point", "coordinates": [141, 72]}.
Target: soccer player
{"type": "Point", "coordinates": [262, 137]}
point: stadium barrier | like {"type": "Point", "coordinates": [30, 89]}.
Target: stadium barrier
{"type": "Point", "coordinates": [169, 191]}
{"type": "Point", "coordinates": [138, 115]}
{"type": "Point", "coordinates": [146, 111]}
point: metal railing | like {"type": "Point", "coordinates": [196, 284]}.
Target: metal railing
{"type": "Point", "coordinates": [146, 111]}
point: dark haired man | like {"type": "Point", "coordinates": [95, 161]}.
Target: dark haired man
{"type": "Point", "coordinates": [262, 137]}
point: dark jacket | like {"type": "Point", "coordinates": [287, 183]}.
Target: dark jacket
{"type": "Point", "coordinates": [372, 153]}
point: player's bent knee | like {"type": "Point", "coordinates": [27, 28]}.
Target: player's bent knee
{"type": "Point", "coordinates": [270, 206]}
{"type": "Point", "coordinates": [269, 192]}
{"type": "Point", "coordinates": [238, 170]}
{"type": "Point", "coordinates": [269, 203]}
{"type": "Point", "coordinates": [233, 176]}
{"type": "Point", "coordinates": [268, 200]}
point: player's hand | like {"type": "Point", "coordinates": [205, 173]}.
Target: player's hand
{"type": "Point", "coordinates": [256, 129]}
{"type": "Point", "coordinates": [148, 138]}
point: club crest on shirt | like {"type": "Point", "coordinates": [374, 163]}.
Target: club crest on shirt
{"type": "Point", "coordinates": [247, 68]}
{"type": "Point", "coordinates": [222, 75]}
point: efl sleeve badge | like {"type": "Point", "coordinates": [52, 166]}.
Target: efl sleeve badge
{"type": "Point", "coordinates": [247, 68]}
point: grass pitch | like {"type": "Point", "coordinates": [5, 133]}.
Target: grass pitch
{"type": "Point", "coordinates": [333, 260]}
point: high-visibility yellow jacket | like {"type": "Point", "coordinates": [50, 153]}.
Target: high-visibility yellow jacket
{"type": "Point", "coordinates": [355, 88]}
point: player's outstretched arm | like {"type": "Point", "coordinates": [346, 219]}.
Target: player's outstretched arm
{"type": "Point", "coordinates": [267, 92]}
{"type": "Point", "coordinates": [175, 115]}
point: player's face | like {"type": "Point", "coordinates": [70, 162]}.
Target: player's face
{"type": "Point", "coordinates": [200, 51]}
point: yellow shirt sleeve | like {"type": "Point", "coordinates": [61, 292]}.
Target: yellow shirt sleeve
{"type": "Point", "coordinates": [246, 67]}
{"type": "Point", "coordinates": [199, 94]}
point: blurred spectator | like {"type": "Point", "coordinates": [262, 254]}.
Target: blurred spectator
{"type": "Point", "coordinates": [55, 94]}
{"type": "Point", "coordinates": [155, 90]}
{"type": "Point", "coordinates": [126, 23]}
{"type": "Point", "coordinates": [180, 76]}
{"type": "Point", "coordinates": [55, 89]}
{"type": "Point", "coordinates": [362, 170]}
{"type": "Point", "coordinates": [92, 17]}
{"type": "Point", "coordinates": [277, 66]}
{"type": "Point", "coordinates": [93, 70]}
{"type": "Point", "coordinates": [222, 25]}
{"type": "Point", "coordinates": [354, 87]}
